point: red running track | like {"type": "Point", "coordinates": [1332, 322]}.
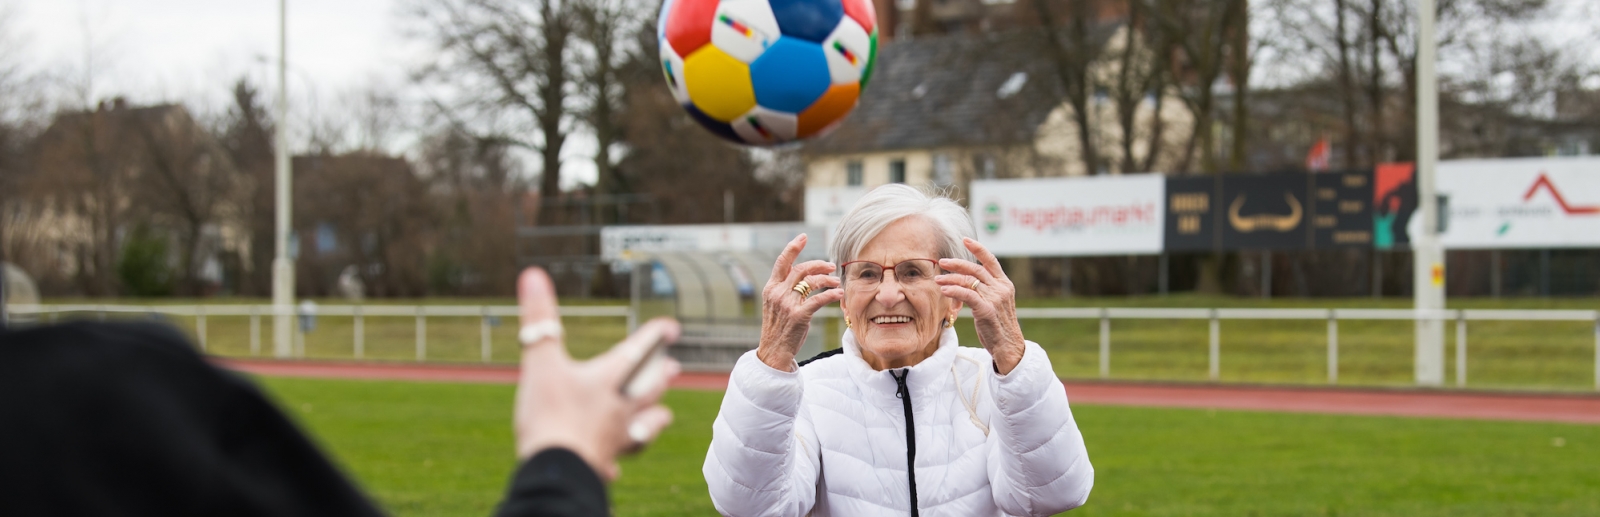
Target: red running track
{"type": "Point", "coordinates": [1578, 409]}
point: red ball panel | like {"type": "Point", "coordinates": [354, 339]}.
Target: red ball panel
{"type": "Point", "coordinates": [862, 12]}
{"type": "Point", "coordinates": [689, 25]}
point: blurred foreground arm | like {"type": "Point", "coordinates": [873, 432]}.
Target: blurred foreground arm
{"type": "Point", "coordinates": [571, 419]}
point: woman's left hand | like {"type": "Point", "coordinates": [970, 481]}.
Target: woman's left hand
{"type": "Point", "coordinates": [993, 299]}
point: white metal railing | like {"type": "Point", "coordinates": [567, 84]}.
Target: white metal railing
{"type": "Point", "coordinates": [1332, 316]}
{"type": "Point", "coordinates": [1104, 314]}
{"type": "Point", "coordinates": [358, 314]}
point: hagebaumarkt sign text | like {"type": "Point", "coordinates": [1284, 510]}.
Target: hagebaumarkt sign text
{"type": "Point", "coordinates": [1104, 215]}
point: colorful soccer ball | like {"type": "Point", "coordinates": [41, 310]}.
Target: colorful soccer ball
{"type": "Point", "coordinates": [767, 72]}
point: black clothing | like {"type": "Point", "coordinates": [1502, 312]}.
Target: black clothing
{"type": "Point", "coordinates": [128, 419]}
{"type": "Point", "coordinates": [556, 482]}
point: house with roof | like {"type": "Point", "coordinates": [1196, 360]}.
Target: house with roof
{"type": "Point", "coordinates": [943, 111]}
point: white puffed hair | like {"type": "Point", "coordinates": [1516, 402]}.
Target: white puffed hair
{"type": "Point", "coordinates": [884, 205]}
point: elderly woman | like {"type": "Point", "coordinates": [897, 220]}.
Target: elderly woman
{"type": "Point", "coordinates": [901, 420]}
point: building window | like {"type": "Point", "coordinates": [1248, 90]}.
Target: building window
{"type": "Point", "coordinates": [897, 171]}
{"type": "Point", "coordinates": [943, 173]}
{"type": "Point", "coordinates": [983, 165]}
{"type": "Point", "coordinates": [852, 173]}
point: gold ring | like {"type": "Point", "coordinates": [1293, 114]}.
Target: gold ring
{"type": "Point", "coordinates": [975, 285]}
{"type": "Point", "coordinates": [803, 288]}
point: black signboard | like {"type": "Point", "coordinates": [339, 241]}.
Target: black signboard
{"type": "Point", "coordinates": [1341, 209]}
{"type": "Point", "coordinates": [1268, 211]}
{"type": "Point", "coordinates": [1191, 214]}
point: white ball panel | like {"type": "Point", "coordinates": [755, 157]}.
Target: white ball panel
{"type": "Point", "coordinates": [848, 41]}
{"type": "Point", "coordinates": [765, 127]}
{"type": "Point", "coordinates": [744, 28]}
{"type": "Point", "coordinates": [672, 68]}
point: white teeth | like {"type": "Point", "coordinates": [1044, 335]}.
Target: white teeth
{"type": "Point", "coordinates": [892, 319]}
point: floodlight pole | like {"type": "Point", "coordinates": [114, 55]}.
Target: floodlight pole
{"type": "Point", "coordinates": [282, 267]}
{"type": "Point", "coordinates": [1427, 252]}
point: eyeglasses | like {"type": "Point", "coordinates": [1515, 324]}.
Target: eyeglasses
{"type": "Point", "coordinates": [865, 275]}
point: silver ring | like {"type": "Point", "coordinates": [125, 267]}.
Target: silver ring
{"type": "Point", "coordinates": [975, 285]}
{"type": "Point", "coordinates": [639, 433]}
{"type": "Point", "coordinates": [539, 331]}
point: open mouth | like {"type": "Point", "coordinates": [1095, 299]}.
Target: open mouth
{"type": "Point", "coordinates": [891, 320]}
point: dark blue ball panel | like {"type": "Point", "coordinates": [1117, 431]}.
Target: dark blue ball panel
{"type": "Point", "coordinates": [717, 128]}
{"type": "Point", "coordinates": [790, 75]}
{"type": "Point", "coordinates": [810, 20]}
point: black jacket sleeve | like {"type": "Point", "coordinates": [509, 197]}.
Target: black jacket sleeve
{"type": "Point", "coordinates": [555, 483]}
{"type": "Point", "coordinates": [128, 419]}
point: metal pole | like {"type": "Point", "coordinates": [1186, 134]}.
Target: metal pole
{"type": "Point", "coordinates": [1428, 256]}
{"type": "Point", "coordinates": [1214, 350]}
{"type": "Point", "coordinates": [636, 295]}
{"type": "Point", "coordinates": [200, 325]}
{"type": "Point", "coordinates": [282, 267]}
{"type": "Point", "coordinates": [1544, 273]}
{"type": "Point", "coordinates": [422, 335]}
{"type": "Point", "coordinates": [255, 330]}
{"type": "Point", "coordinates": [5, 317]}
{"type": "Point", "coordinates": [1164, 274]}
{"type": "Point", "coordinates": [1461, 348]}
{"type": "Point", "coordinates": [1266, 275]}
{"type": "Point", "coordinates": [483, 331]}
{"type": "Point", "coordinates": [1333, 347]}
{"type": "Point", "coordinates": [360, 333]}
{"type": "Point", "coordinates": [1105, 343]}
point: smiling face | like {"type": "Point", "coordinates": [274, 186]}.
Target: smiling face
{"type": "Point", "coordinates": [897, 323]}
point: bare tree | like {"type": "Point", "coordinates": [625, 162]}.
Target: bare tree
{"type": "Point", "coordinates": [246, 135]}
{"type": "Point", "coordinates": [606, 28]}
{"type": "Point", "coordinates": [1143, 71]}
{"type": "Point", "coordinates": [1075, 50]}
{"type": "Point", "coordinates": [509, 64]}
{"type": "Point", "coordinates": [1200, 34]}
{"type": "Point", "coordinates": [185, 182]}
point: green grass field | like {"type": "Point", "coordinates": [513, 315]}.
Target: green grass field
{"type": "Point", "coordinates": [445, 450]}
{"type": "Point", "coordinates": [1501, 355]}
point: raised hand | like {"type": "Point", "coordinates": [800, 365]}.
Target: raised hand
{"type": "Point", "coordinates": [993, 299]}
{"type": "Point", "coordinates": [578, 404]}
{"type": "Point", "coordinates": [786, 312]}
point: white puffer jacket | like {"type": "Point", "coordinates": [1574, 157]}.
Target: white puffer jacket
{"type": "Point", "coordinates": [830, 438]}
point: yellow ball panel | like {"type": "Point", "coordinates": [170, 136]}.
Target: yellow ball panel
{"type": "Point", "coordinates": [718, 84]}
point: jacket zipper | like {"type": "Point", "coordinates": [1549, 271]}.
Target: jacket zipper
{"type": "Point", "coordinates": [904, 394]}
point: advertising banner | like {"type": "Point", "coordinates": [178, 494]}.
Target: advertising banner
{"type": "Point", "coordinates": [1521, 203]}
{"type": "Point", "coordinates": [1265, 211]}
{"type": "Point", "coordinates": [1394, 201]}
{"type": "Point", "coordinates": [623, 242]}
{"type": "Point", "coordinates": [1191, 213]}
{"type": "Point", "coordinates": [1102, 215]}
{"type": "Point", "coordinates": [825, 206]}
{"type": "Point", "coordinates": [1341, 209]}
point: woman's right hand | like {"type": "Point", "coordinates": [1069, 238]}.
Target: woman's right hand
{"type": "Point", "coordinates": [785, 314]}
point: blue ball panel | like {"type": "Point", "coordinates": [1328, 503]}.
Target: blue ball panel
{"type": "Point", "coordinates": [790, 75]}
{"type": "Point", "coordinates": [717, 128]}
{"type": "Point", "coordinates": [810, 20]}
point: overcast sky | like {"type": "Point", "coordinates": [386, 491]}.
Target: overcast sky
{"type": "Point", "coordinates": [180, 48]}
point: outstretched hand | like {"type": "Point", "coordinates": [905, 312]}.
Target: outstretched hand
{"type": "Point", "coordinates": [578, 405]}
{"type": "Point", "coordinates": [993, 299]}
{"type": "Point", "coordinates": [785, 312]}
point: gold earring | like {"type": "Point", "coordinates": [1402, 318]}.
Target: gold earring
{"type": "Point", "coordinates": [847, 322]}
{"type": "Point", "coordinates": [951, 322]}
